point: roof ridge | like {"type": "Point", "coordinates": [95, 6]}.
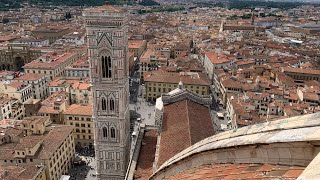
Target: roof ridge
{"type": "Point", "coordinates": [188, 123]}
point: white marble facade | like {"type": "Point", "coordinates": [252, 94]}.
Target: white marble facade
{"type": "Point", "coordinates": [107, 34]}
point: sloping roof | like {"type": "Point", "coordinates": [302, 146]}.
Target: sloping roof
{"type": "Point", "coordinates": [240, 171]}
{"type": "Point", "coordinates": [174, 78]}
{"type": "Point", "coordinates": [183, 125]}
{"type": "Point", "coordinates": [77, 109]}
{"type": "Point", "coordinates": [146, 155]}
{"type": "Point", "coordinates": [26, 172]}
{"type": "Point", "coordinates": [294, 129]}
{"type": "Point", "coordinates": [53, 140]}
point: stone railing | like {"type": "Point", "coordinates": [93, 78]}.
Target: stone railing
{"type": "Point", "coordinates": [205, 100]}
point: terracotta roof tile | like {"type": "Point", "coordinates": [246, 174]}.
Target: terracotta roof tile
{"type": "Point", "coordinates": [182, 127]}
{"type": "Point", "coordinates": [146, 156]}
{"type": "Point", "coordinates": [78, 109]}
{"type": "Point", "coordinates": [175, 78]}
{"type": "Point", "coordinates": [239, 171]}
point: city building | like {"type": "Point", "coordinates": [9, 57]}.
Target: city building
{"type": "Point", "coordinates": [80, 116]}
{"type": "Point", "coordinates": [107, 32]}
{"type": "Point", "coordinates": [11, 108]}
{"type": "Point", "coordinates": [54, 106]}
{"type": "Point", "coordinates": [38, 82]}
{"type": "Point", "coordinates": [81, 93]}
{"type": "Point", "coordinates": [18, 90]}
{"type": "Point", "coordinates": [161, 82]}
{"type": "Point", "coordinates": [26, 172]}
{"type": "Point", "coordinates": [16, 56]}
{"type": "Point", "coordinates": [79, 68]}
{"type": "Point", "coordinates": [33, 42]}
{"type": "Point", "coordinates": [300, 75]}
{"type": "Point", "coordinates": [151, 60]}
{"type": "Point", "coordinates": [50, 33]}
{"type": "Point", "coordinates": [215, 61]}
{"type": "Point", "coordinates": [33, 141]}
{"type": "Point", "coordinates": [51, 64]}
{"type": "Point", "coordinates": [137, 47]}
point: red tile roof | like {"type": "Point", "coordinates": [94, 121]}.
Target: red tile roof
{"type": "Point", "coordinates": [135, 44]}
{"type": "Point", "coordinates": [182, 126]}
{"type": "Point", "coordinates": [239, 171]}
{"type": "Point", "coordinates": [174, 78]}
{"type": "Point", "coordinates": [301, 71]}
{"type": "Point", "coordinates": [30, 77]}
{"type": "Point", "coordinates": [146, 156]}
{"type": "Point", "coordinates": [216, 59]}
{"type": "Point", "coordinates": [77, 109]}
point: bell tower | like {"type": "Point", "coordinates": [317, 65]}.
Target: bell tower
{"type": "Point", "coordinates": [107, 36]}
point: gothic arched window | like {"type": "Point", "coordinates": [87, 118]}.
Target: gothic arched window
{"type": "Point", "coordinates": [105, 132]}
{"type": "Point", "coordinates": [106, 66]}
{"type": "Point", "coordinates": [103, 63]}
{"type": "Point", "coordinates": [109, 67]}
{"type": "Point", "coordinates": [103, 104]}
{"type": "Point", "coordinates": [113, 132]}
{"type": "Point", "coordinates": [112, 104]}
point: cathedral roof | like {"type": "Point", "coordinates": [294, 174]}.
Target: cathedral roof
{"type": "Point", "coordinates": [259, 151]}
{"type": "Point", "coordinates": [183, 125]}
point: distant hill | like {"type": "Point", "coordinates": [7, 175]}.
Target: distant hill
{"type": "Point", "coordinates": [7, 4]}
{"type": "Point", "coordinates": [12, 4]}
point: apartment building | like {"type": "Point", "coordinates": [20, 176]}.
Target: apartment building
{"type": "Point", "coordinates": [35, 142]}
{"type": "Point", "coordinates": [38, 83]}
{"type": "Point", "coordinates": [52, 64]}
{"type": "Point", "coordinates": [54, 106]}
{"type": "Point", "coordinates": [137, 47]}
{"type": "Point", "coordinates": [151, 60]}
{"type": "Point", "coordinates": [18, 90]}
{"type": "Point", "coordinates": [50, 33]}
{"type": "Point", "coordinates": [300, 75]}
{"type": "Point", "coordinates": [10, 108]}
{"type": "Point", "coordinates": [60, 84]}
{"type": "Point", "coordinates": [79, 68]}
{"type": "Point", "coordinates": [80, 117]}
{"type": "Point", "coordinates": [161, 82]}
{"type": "Point", "coordinates": [215, 61]}
{"type": "Point", "coordinates": [81, 92]}
{"type": "Point", "coordinates": [26, 172]}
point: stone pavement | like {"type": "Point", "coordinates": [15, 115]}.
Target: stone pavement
{"type": "Point", "coordinates": [144, 108]}
{"type": "Point", "coordinates": [86, 171]}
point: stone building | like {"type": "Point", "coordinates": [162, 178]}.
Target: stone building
{"type": "Point", "coordinates": [80, 116]}
{"type": "Point", "coordinates": [16, 56]}
{"type": "Point", "coordinates": [107, 33]}
{"type": "Point", "coordinates": [35, 142]}
{"type": "Point", "coordinates": [51, 33]}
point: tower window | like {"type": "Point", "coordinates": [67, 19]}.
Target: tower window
{"type": "Point", "coordinates": [111, 104]}
{"type": "Point", "coordinates": [109, 67]}
{"type": "Point", "coordinates": [113, 133]}
{"type": "Point", "coordinates": [105, 132]}
{"type": "Point", "coordinates": [106, 67]}
{"type": "Point", "coordinates": [103, 104]}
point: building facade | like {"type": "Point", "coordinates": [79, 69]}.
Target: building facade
{"type": "Point", "coordinates": [16, 56]}
{"type": "Point", "coordinates": [107, 33]}
{"type": "Point", "coordinates": [80, 116]}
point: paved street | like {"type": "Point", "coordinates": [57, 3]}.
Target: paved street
{"type": "Point", "coordinates": [137, 102]}
{"type": "Point", "coordinates": [86, 170]}
{"type": "Point", "coordinates": [142, 107]}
